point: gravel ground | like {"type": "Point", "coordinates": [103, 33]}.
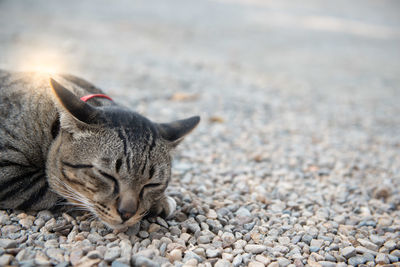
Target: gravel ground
{"type": "Point", "coordinates": [296, 161]}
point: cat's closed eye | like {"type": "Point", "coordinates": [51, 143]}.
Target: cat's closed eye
{"type": "Point", "coordinates": [113, 179]}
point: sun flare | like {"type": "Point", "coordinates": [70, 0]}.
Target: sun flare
{"type": "Point", "coordinates": [44, 61]}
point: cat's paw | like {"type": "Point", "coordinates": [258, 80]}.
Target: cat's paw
{"type": "Point", "coordinates": [165, 207]}
{"type": "Point", "coordinates": [169, 206]}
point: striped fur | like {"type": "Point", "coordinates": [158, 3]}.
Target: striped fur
{"type": "Point", "coordinates": [97, 155]}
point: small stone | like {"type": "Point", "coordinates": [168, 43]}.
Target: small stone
{"type": "Point", "coordinates": [222, 263]}
{"type": "Point", "coordinates": [382, 192]}
{"type": "Point", "coordinates": [306, 238]}
{"type": "Point", "coordinates": [143, 234]}
{"type": "Point", "coordinates": [237, 261]}
{"type": "Point", "coordinates": [368, 244]}
{"type": "Point", "coordinates": [191, 262]}
{"type": "Point", "coordinates": [45, 215]}
{"type": "Point", "coordinates": [75, 256]}
{"type": "Point", "coordinates": [283, 262]}
{"type": "Point", "coordinates": [5, 259]}
{"type": "Point", "coordinates": [148, 253]}
{"type": "Point", "coordinates": [382, 259]}
{"type": "Point", "coordinates": [26, 222]}
{"type": "Point", "coordinates": [55, 254]}
{"type": "Point", "coordinates": [212, 214]}
{"type": "Point", "coordinates": [154, 227]}
{"type": "Point", "coordinates": [204, 239]}
{"type": "Point", "coordinates": [191, 255]}
{"type": "Point", "coordinates": [94, 254]}
{"type": "Point", "coordinates": [390, 245]}
{"type": "Point", "coordinates": [112, 253]}
{"type": "Point", "coordinates": [84, 226]}
{"type": "Point", "coordinates": [284, 240]}
{"type": "Point", "coordinates": [174, 230]}
{"type": "Point", "coordinates": [255, 264]}
{"type": "Point", "coordinates": [119, 264]}
{"type": "Point", "coordinates": [175, 255]}
{"type": "Point", "coordinates": [273, 264]}
{"type": "Point", "coordinates": [212, 253]}
{"type": "Point", "coordinates": [227, 239]}
{"type": "Point", "coordinates": [255, 249]}
{"type": "Point", "coordinates": [52, 243]}
{"type": "Point", "coordinates": [162, 222]}
{"type": "Point", "coordinates": [363, 250]}
{"type": "Point", "coordinates": [316, 243]}
{"type": "Point", "coordinates": [357, 260]}
{"type": "Point", "coordinates": [393, 259]}
{"type": "Point", "coordinates": [348, 252]}
{"type": "Point", "coordinates": [327, 263]}
{"type": "Point", "coordinates": [396, 253]}
{"type": "Point", "coordinates": [94, 238]}
{"type": "Point", "coordinates": [264, 260]}
{"type": "Point", "coordinates": [243, 215]}
{"type": "Point", "coordinates": [41, 259]}
{"type": "Point", "coordinates": [192, 225]}
{"type": "Point", "coordinates": [227, 256]}
{"type": "Point", "coordinates": [377, 240]}
{"type": "Point", "coordinates": [7, 243]}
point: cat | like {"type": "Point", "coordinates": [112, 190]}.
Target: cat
{"type": "Point", "coordinates": [62, 139]}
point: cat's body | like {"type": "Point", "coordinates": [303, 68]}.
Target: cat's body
{"type": "Point", "coordinates": [110, 160]}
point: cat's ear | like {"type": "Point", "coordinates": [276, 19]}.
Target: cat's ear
{"type": "Point", "coordinates": [175, 131]}
{"type": "Point", "coordinates": [79, 109]}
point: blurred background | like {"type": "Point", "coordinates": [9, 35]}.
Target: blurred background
{"type": "Point", "coordinates": [317, 68]}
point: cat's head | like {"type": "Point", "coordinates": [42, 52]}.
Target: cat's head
{"type": "Point", "coordinates": [111, 161]}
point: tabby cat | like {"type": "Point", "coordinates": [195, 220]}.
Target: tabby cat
{"type": "Point", "coordinates": [94, 153]}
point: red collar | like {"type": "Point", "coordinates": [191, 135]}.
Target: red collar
{"type": "Point", "coordinates": [87, 97]}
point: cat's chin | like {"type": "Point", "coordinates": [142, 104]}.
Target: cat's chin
{"type": "Point", "coordinates": [118, 226]}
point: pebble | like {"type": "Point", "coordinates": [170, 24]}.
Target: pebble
{"type": "Point", "coordinates": [237, 260]}
{"type": "Point", "coordinates": [255, 249]}
{"type": "Point", "coordinates": [348, 252]}
{"type": "Point", "coordinates": [41, 259]}
{"type": "Point", "coordinates": [143, 234]}
{"type": "Point", "coordinates": [75, 256]}
{"type": "Point", "coordinates": [162, 222]}
{"type": "Point", "coordinates": [284, 240]}
{"type": "Point", "coordinates": [55, 254]}
{"type": "Point", "coordinates": [94, 238]}
{"type": "Point", "coordinates": [27, 222]}
{"type": "Point", "coordinates": [175, 255]}
{"type": "Point", "coordinates": [390, 245]}
{"type": "Point", "coordinates": [94, 254]}
{"type": "Point", "coordinates": [377, 240]}
{"type": "Point", "coordinates": [7, 243]}
{"type": "Point", "coordinates": [264, 260]}
{"type": "Point", "coordinates": [327, 263]}
{"type": "Point", "coordinates": [227, 239]}
{"type": "Point", "coordinates": [143, 261]}
{"type": "Point", "coordinates": [255, 264]}
{"type": "Point", "coordinates": [382, 258]}
{"type": "Point", "coordinates": [112, 253]}
{"type": "Point", "coordinates": [191, 255]}
{"type": "Point", "coordinates": [283, 262]}
{"type": "Point", "coordinates": [212, 214]}
{"type": "Point", "coordinates": [357, 260]}
{"type": "Point", "coordinates": [5, 259]}
{"type": "Point", "coordinates": [203, 239]}
{"type": "Point", "coordinates": [222, 263]}
{"type": "Point", "coordinates": [212, 253]}
{"type": "Point", "coordinates": [119, 264]}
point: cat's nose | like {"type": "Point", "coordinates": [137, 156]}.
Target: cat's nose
{"type": "Point", "coordinates": [127, 207]}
